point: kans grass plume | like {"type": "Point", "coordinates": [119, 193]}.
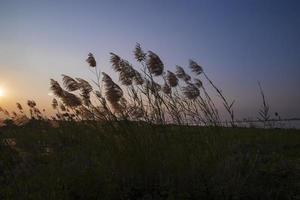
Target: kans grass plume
{"type": "Point", "coordinates": [154, 64]}
{"type": "Point", "coordinates": [152, 94]}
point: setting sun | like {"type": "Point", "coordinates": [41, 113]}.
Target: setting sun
{"type": "Point", "coordinates": [2, 92]}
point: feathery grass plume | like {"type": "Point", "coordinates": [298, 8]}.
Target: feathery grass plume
{"type": "Point", "coordinates": [197, 69]}
{"type": "Point", "coordinates": [84, 85]}
{"type": "Point", "coordinates": [180, 73]}
{"type": "Point", "coordinates": [187, 78]}
{"type": "Point", "coordinates": [172, 79]}
{"type": "Point", "coordinates": [154, 64]}
{"type": "Point", "coordinates": [166, 89]}
{"type": "Point", "coordinates": [1, 109]}
{"type": "Point", "coordinates": [191, 91]}
{"type": "Point", "coordinates": [138, 79]}
{"type": "Point", "coordinates": [31, 103]}
{"type": "Point", "coordinates": [91, 60]}
{"type": "Point", "coordinates": [198, 82]}
{"type": "Point", "coordinates": [70, 83]}
{"type": "Point", "coordinates": [58, 116]}
{"type": "Point", "coordinates": [66, 116]}
{"type": "Point", "coordinates": [19, 106]}
{"type": "Point", "coordinates": [126, 73]}
{"type": "Point", "coordinates": [85, 98]}
{"type": "Point", "coordinates": [62, 107]}
{"type": "Point", "coordinates": [56, 88]}
{"type": "Point", "coordinates": [36, 111]}
{"type": "Point", "coordinates": [54, 103]}
{"type": "Point", "coordinates": [68, 98]}
{"type": "Point", "coordinates": [115, 61]}
{"type": "Point", "coordinates": [113, 92]}
{"type": "Point", "coordinates": [14, 114]}
{"type": "Point", "coordinates": [85, 90]}
{"type": "Point", "coordinates": [71, 100]}
{"type": "Point", "coordinates": [139, 54]}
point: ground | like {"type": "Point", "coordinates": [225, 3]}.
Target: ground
{"type": "Point", "coordinates": [141, 161]}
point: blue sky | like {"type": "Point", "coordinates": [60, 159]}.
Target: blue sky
{"type": "Point", "coordinates": [238, 42]}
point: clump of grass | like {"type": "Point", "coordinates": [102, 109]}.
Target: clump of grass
{"type": "Point", "coordinates": [149, 94]}
{"type": "Point", "coordinates": [145, 93]}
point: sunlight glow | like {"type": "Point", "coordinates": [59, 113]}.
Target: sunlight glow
{"type": "Point", "coordinates": [2, 92]}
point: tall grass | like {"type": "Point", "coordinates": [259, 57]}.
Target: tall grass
{"type": "Point", "coordinates": [264, 111]}
{"type": "Point", "coordinates": [143, 93]}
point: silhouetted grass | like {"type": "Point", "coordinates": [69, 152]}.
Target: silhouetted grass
{"type": "Point", "coordinates": [145, 92]}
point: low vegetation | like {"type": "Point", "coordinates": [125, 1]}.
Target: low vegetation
{"type": "Point", "coordinates": [128, 160]}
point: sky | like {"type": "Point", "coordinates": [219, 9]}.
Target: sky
{"type": "Point", "coordinates": [238, 43]}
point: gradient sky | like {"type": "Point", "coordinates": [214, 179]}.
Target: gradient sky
{"type": "Point", "coordinates": [238, 42]}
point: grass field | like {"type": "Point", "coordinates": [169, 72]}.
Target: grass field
{"type": "Point", "coordinates": [140, 161]}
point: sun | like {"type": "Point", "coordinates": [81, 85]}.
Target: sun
{"type": "Point", "coordinates": [2, 92]}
